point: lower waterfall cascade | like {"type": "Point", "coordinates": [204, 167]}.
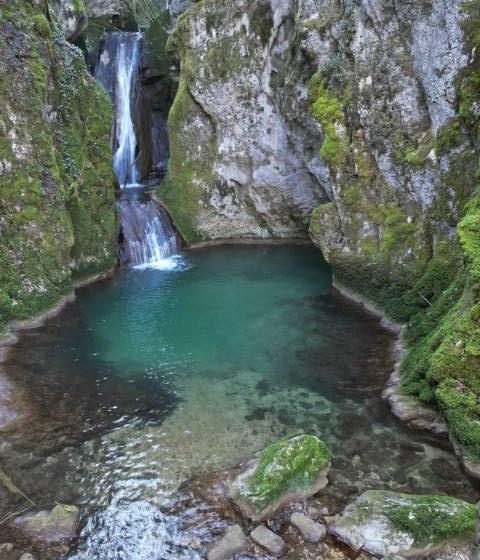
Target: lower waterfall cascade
{"type": "Point", "coordinates": [147, 238]}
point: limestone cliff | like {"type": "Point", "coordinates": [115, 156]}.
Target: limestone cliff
{"type": "Point", "coordinates": [244, 150]}
{"type": "Point", "coordinates": [366, 110]}
{"type": "Point", "coordinates": [57, 215]}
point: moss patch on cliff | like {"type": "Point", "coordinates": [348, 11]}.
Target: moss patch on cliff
{"type": "Point", "coordinates": [37, 233]}
{"type": "Point", "coordinates": [327, 109]}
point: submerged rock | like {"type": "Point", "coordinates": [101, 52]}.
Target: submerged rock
{"type": "Point", "coordinates": [311, 531]}
{"type": "Point", "coordinates": [386, 523]}
{"type": "Point", "coordinates": [234, 542]}
{"type": "Point", "coordinates": [288, 470]}
{"type": "Point", "coordinates": [268, 540]}
{"type": "Point", "coordinates": [55, 526]}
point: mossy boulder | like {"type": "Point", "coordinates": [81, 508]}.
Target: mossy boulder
{"type": "Point", "coordinates": [291, 469]}
{"type": "Point", "coordinates": [386, 523]}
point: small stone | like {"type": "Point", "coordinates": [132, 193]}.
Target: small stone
{"type": "Point", "coordinates": [57, 525]}
{"type": "Point", "coordinates": [311, 531]}
{"type": "Point", "coordinates": [268, 540]}
{"type": "Point", "coordinates": [6, 547]}
{"type": "Point", "coordinates": [330, 519]}
{"type": "Point", "coordinates": [27, 556]}
{"type": "Point", "coordinates": [234, 542]}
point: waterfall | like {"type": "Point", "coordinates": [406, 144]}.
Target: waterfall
{"type": "Point", "coordinates": [147, 238]}
{"type": "Point", "coordinates": [118, 69]}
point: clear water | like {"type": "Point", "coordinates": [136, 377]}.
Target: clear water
{"type": "Point", "coordinates": [157, 376]}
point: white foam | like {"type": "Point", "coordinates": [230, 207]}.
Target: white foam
{"type": "Point", "coordinates": [175, 262]}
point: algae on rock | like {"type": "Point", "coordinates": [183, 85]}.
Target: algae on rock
{"type": "Point", "coordinates": [386, 523]}
{"type": "Point", "coordinates": [288, 470]}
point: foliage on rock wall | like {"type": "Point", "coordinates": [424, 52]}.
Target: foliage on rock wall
{"type": "Point", "coordinates": [56, 190]}
{"type": "Point", "coordinates": [405, 258]}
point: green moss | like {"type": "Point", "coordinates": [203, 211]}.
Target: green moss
{"type": "Point", "coordinates": [433, 519]}
{"type": "Point", "coordinates": [327, 109]}
{"type": "Point", "coordinates": [287, 465]}
{"type": "Point", "coordinates": [41, 25]}
{"type": "Point", "coordinates": [449, 136]}
{"type": "Point", "coordinates": [413, 154]}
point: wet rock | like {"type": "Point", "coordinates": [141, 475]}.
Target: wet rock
{"type": "Point", "coordinates": [55, 526]}
{"type": "Point", "coordinates": [288, 470]}
{"type": "Point", "coordinates": [27, 556]}
{"type": "Point", "coordinates": [234, 542]}
{"type": "Point", "coordinates": [386, 523]}
{"type": "Point", "coordinates": [268, 540]}
{"type": "Point", "coordinates": [311, 531]}
{"type": "Point", "coordinates": [8, 552]}
{"type": "Point", "coordinates": [411, 411]}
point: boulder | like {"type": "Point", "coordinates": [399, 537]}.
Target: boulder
{"type": "Point", "coordinates": [289, 470]}
{"type": "Point", "coordinates": [234, 542]}
{"type": "Point", "coordinates": [386, 523]}
{"type": "Point", "coordinates": [310, 531]}
{"type": "Point", "coordinates": [268, 540]}
{"type": "Point", "coordinates": [55, 526]}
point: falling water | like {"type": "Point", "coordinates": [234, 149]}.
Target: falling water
{"type": "Point", "coordinates": [118, 71]}
{"type": "Point", "coordinates": [147, 237]}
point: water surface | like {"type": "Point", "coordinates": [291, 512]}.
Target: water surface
{"type": "Point", "coordinates": [156, 376]}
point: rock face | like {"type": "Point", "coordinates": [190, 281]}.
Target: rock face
{"type": "Point", "coordinates": [55, 526]}
{"type": "Point", "coordinates": [289, 470]}
{"type": "Point", "coordinates": [386, 523]}
{"type": "Point", "coordinates": [57, 207]}
{"type": "Point", "coordinates": [73, 17]}
{"type": "Point", "coordinates": [244, 150]}
{"type": "Point", "coordinates": [398, 230]}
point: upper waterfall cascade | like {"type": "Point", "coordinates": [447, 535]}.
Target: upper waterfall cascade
{"type": "Point", "coordinates": [120, 82]}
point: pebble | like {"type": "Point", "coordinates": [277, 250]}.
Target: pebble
{"type": "Point", "coordinates": [268, 540]}
{"type": "Point", "coordinates": [27, 556]}
{"type": "Point", "coordinates": [311, 531]}
{"type": "Point", "coordinates": [234, 542]}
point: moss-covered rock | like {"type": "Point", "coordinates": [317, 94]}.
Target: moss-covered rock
{"type": "Point", "coordinates": [403, 229]}
{"type": "Point", "coordinates": [385, 523]}
{"type": "Point", "coordinates": [288, 470]}
{"type": "Point", "coordinates": [57, 207]}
